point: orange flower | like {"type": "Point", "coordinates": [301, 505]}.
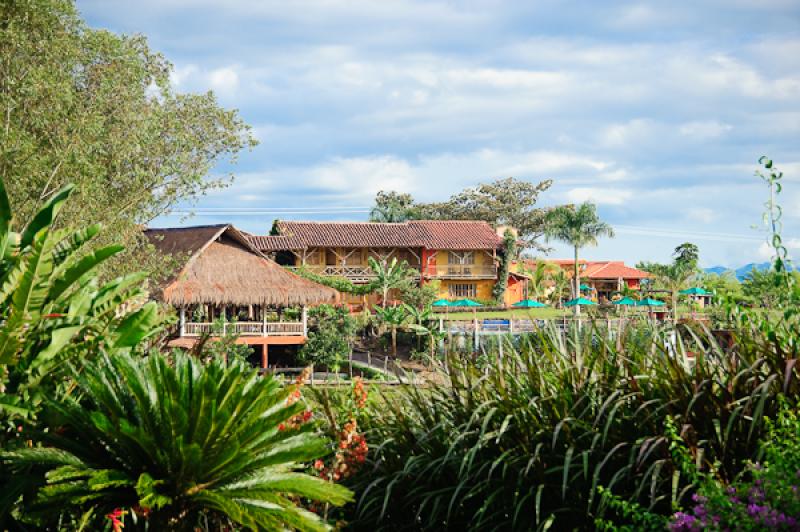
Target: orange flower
{"type": "Point", "coordinates": [116, 524]}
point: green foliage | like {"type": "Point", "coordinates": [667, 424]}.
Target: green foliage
{"type": "Point", "coordinates": [341, 284]}
{"type": "Point", "coordinates": [675, 276]}
{"type": "Point", "coordinates": [97, 109]}
{"type": "Point", "coordinates": [173, 443]}
{"type": "Point", "coordinates": [509, 254]}
{"type": "Point", "coordinates": [224, 346]}
{"type": "Point", "coordinates": [329, 337]}
{"type": "Point", "coordinates": [579, 227]}
{"type": "Point", "coordinates": [762, 496]}
{"type": "Point", "coordinates": [392, 275]}
{"type": "Point", "coordinates": [392, 207]}
{"type": "Point", "coordinates": [767, 288]}
{"type": "Point", "coordinates": [53, 310]}
{"type": "Point", "coordinates": [393, 318]}
{"type": "Point", "coordinates": [420, 296]}
{"type": "Point", "coordinates": [526, 444]}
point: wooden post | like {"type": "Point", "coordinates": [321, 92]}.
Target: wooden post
{"type": "Point", "coordinates": [477, 338]}
{"type": "Point", "coordinates": [305, 321]}
{"type": "Point", "coordinates": [183, 321]}
{"type": "Point", "coordinates": [263, 321]}
{"type": "Point", "coordinates": [350, 363]}
{"type": "Point", "coordinates": [369, 359]}
{"type": "Point", "coordinates": [264, 356]}
{"type": "Point", "coordinates": [385, 364]}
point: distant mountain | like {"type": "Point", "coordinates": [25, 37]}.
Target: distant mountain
{"type": "Point", "coordinates": [742, 271]}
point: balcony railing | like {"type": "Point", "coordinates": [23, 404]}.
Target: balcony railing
{"type": "Point", "coordinates": [462, 271]}
{"type": "Point", "coordinates": [356, 272]}
{"type": "Point", "coordinates": [244, 328]}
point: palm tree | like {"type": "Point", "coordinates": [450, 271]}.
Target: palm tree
{"type": "Point", "coordinates": [578, 227]}
{"type": "Point", "coordinates": [176, 442]}
{"type": "Point", "coordinates": [389, 275]}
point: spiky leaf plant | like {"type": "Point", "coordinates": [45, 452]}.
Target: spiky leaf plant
{"type": "Point", "coordinates": [176, 443]}
{"type": "Point", "coordinates": [526, 443]}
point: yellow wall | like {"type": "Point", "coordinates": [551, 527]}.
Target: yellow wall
{"type": "Point", "coordinates": [481, 258]}
{"type": "Point", "coordinates": [483, 288]}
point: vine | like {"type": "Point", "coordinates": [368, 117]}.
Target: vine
{"type": "Point", "coordinates": [337, 283]}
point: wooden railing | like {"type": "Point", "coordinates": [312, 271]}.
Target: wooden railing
{"type": "Point", "coordinates": [462, 271]}
{"type": "Point", "coordinates": [245, 328]}
{"type": "Point", "coordinates": [355, 272]}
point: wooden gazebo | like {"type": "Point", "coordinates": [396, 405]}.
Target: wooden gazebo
{"type": "Point", "coordinates": [223, 281]}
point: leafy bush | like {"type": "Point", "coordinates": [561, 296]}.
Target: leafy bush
{"type": "Point", "coordinates": [173, 445]}
{"type": "Point", "coordinates": [765, 495]}
{"type": "Point", "coordinates": [527, 443]}
{"type": "Point", "coordinates": [329, 337]}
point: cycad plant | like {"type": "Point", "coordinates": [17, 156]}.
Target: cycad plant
{"type": "Point", "coordinates": [528, 442]}
{"type": "Point", "coordinates": [175, 445]}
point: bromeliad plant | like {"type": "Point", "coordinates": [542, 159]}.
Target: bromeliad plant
{"type": "Point", "coordinates": [174, 445]}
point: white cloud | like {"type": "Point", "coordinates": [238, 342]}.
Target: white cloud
{"type": "Point", "coordinates": [701, 214]}
{"type": "Point", "coordinates": [599, 196]}
{"type": "Point", "coordinates": [224, 80]}
{"type": "Point", "coordinates": [704, 130]}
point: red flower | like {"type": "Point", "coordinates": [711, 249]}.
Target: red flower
{"type": "Point", "coordinates": [281, 427]}
{"type": "Point", "coordinates": [55, 315]}
{"type": "Point", "coordinates": [114, 517]}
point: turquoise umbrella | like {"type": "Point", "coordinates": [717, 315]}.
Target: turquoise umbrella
{"type": "Point", "coordinates": [465, 303]}
{"type": "Point", "coordinates": [529, 303]}
{"type": "Point", "coordinates": [585, 287]}
{"type": "Point", "coordinates": [648, 302]}
{"type": "Point", "coordinates": [579, 301]}
{"type": "Point", "coordinates": [625, 301]}
{"type": "Point", "coordinates": [441, 303]}
{"type": "Point", "coordinates": [696, 291]}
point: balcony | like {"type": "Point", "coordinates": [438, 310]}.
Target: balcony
{"type": "Point", "coordinates": [354, 273]}
{"type": "Point", "coordinates": [462, 271]}
{"type": "Point", "coordinates": [244, 328]}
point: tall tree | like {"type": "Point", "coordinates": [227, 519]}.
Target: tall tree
{"type": "Point", "coordinates": [579, 227]}
{"type": "Point", "coordinates": [98, 110]}
{"type": "Point", "coordinates": [506, 201]}
{"type": "Point", "coordinates": [392, 207]}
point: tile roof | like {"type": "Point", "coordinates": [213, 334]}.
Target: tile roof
{"type": "Point", "coordinates": [429, 234]}
{"type": "Point", "coordinates": [604, 269]}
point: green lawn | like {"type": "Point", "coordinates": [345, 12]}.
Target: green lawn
{"type": "Point", "coordinates": [520, 314]}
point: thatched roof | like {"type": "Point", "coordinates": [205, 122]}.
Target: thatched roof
{"type": "Point", "coordinates": [223, 268]}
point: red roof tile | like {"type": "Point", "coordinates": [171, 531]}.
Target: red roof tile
{"type": "Point", "coordinates": [427, 234]}
{"type": "Point", "coordinates": [604, 269]}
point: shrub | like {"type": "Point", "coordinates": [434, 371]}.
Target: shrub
{"type": "Point", "coordinates": [173, 446]}
{"type": "Point", "coordinates": [528, 441]}
{"type": "Point", "coordinates": [329, 338]}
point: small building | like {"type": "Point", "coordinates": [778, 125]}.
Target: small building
{"type": "Point", "coordinates": [605, 278]}
{"type": "Point", "coordinates": [223, 279]}
{"type": "Point", "coordinates": [461, 255]}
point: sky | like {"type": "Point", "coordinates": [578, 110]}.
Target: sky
{"type": "Point", "coordinates": [656, 112]}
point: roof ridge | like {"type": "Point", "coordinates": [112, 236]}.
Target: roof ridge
{"type": "Point", "coordinates": [187, 228]}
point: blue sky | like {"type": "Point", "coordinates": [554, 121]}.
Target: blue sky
{"type": "Point", "coordinates": [655, 111]}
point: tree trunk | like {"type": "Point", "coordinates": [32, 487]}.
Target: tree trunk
{"type": "Point", "coordinates": [394, 341]}
{"type": "Point", "coordinates": [577, 277]}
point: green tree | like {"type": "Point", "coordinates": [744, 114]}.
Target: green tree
{"type": "Point", "coordinates": [389, 276]}
{"type": "Point", "coordinates": [392, 207]}
{"type": "Point", "coordinates": [506, 201]}
{"type": "Point", "coordinates": [675, 277]}
{"type": "Point", "coordinates": [508, 256]}
{"type": "Point", "coordinates": [393, 318]}
{"type": "Point", "coordinates": [579, 227]}
{"type": "Point", "coordinates": [420, 296]}
{"type": "Point", "coordinates": [177, 443]}
{"type": "Point", "coordinates": [96, 109]}
{"type": "Point", "coordinates": [329, 338]}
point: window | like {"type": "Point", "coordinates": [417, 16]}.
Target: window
{"type": "Point", "coordinates": [463, 290]}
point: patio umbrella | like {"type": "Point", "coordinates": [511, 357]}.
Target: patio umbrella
{"type": "Point", "coordinates": [627, 301]}
{"type": "Point", "coordinates": [648, 302]}
{"type": "Point", "coordinates": [585, 287]}
{"type": "Point", "coordinates": [466, 303]}
{"type": "Point", "coordinates": [696, 291]}
{"type": "Point", "coordinates": [441, 303]}
{"type": "Point", "coordinates": [529, 303]}
{"type": "Point", "coordinates": [579, 301]}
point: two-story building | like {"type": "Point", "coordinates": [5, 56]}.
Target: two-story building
{"type": "Point", "coordinates": [461, 255]}
{"type": "Point", "coordinates": [605, 278]}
